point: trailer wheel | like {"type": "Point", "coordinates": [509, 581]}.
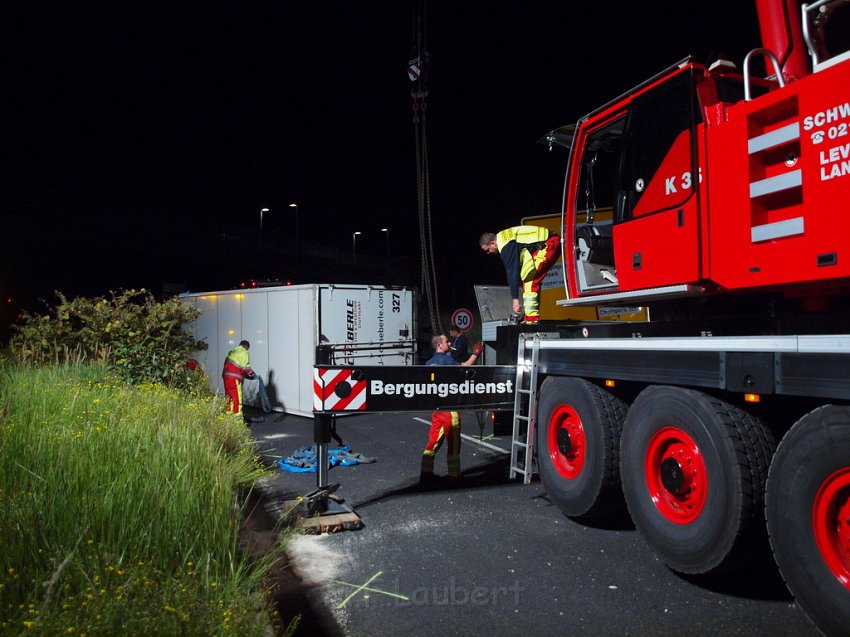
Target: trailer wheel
{"type": "Point", "coordinates": [578, 439]}
{"type": "Point", "coordinates": [808, 515]}
{"type": "Point", "coordinates": [694, 470]}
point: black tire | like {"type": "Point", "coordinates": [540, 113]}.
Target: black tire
{"type": "Point", "coordinates": [578, 437]}
{"type": "Point", "coordinates": [808, 515]}
{"type": "Point", "coordinates": [694, 470]}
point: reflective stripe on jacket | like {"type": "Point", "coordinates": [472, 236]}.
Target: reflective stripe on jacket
{"type": "Point", "coordinates": [511, 242]}
{"type": "Point", "coordinates": [523, 235]}
{"type": "Point", "coordinates": [237, 363]}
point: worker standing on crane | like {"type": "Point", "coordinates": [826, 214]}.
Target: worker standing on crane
{"type": "Point", "coordinates": [527, 252]}
{"type": "Point", "coordinates": [237, 367]}
{"type": "Point", "coordinates": [445, 425]}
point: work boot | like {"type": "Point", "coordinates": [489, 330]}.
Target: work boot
{"type": "Point", "coordinates": [431, 482]}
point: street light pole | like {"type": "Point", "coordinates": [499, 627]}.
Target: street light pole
{"type": "Point", "coordinates": [354, 246]}
{"type": "Point", "coordinates": [262, 212]}
{"type": "Point", "coordinates": [295, 205]}
{"type": "Point", "coordinates": [387, 230]}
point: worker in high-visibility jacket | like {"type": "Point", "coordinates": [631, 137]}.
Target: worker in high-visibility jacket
{"type": "Point", "coordinates": [527, 253]}
{"type": "Point", "coordinates": [445, 425]}
{"type": "Point", "coordinates": [237, 367]}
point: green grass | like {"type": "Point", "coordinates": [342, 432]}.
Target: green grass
{"type": "Point", "coordinates": [118, 509]}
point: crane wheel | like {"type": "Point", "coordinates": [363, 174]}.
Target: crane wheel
{"type": "Point", "coordinates": [578, 437]}
{"type": "Point", "coordinates": [694, 470]}
{"type": "Point", "coordinates": [808, 515]}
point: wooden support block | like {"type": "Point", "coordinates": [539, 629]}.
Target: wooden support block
{"type": "Point", "coordinates": [332, 523]}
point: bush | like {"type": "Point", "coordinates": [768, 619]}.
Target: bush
{"type": "Point", "coordinates": [140, 338]}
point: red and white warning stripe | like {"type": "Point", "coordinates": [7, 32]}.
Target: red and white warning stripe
{"type": "Point", "coordinates": [333, 390]}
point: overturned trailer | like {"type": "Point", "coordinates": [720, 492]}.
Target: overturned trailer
{"type": "Point", "coordinates": [362, 324]}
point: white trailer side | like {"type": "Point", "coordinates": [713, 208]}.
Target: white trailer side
{"type": "Point", "coordinates": [368, 324]}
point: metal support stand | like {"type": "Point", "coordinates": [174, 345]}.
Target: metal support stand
{"type": "Point", "coordinates": [320, 502]}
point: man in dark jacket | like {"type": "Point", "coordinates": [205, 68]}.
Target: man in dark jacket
{"type": "Point", "coordinates": [460, 344]}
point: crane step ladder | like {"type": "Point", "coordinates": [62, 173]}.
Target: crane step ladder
{"type": "Point", "coordinates": [525, 408]}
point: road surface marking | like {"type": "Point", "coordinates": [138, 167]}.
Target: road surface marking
{"type": "Point", "coordinates": [471, 439]}
{"type": "Point", "coordinates": [365, 587]}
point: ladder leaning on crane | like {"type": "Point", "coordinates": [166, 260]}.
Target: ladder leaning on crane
{"type": "Point", "coordinates": [525, 409]}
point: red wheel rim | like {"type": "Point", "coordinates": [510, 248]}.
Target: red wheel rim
{"type": "Point", "coordinates": [676, 475]}
{"type": "Point", "coordinates": [567, 442]}
{"type": "Point", "coordinates": [831, 522]}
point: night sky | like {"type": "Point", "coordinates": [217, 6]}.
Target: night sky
{"type": "Point", "coordinates": [132, 131]}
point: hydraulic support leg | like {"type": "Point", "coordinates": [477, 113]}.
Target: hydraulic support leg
{"type": "Point", "coordinates": [319, 502]}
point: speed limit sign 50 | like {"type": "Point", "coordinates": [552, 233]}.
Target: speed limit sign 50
{"type": "Point", "coordinates": [462, 319]}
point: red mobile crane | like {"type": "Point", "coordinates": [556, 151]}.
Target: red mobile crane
{"type": "Point", "coordinates": [719, 200]}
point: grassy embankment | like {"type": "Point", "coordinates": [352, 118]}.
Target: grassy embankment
{"type": "Point", "coordinates": [119, 511]}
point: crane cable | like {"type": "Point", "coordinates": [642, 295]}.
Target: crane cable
{"type": "Point", "coordinates": [429, 276]}
{"type": "Point", "coordinates": [417, 71]}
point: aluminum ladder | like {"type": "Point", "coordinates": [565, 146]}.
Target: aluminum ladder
{"type": "Point", "coordinates": [525, 409]}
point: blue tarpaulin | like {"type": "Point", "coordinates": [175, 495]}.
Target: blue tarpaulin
{"type": "Point", "coordinates": [304, 459]}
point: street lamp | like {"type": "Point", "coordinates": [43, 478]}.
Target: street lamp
{"type": "Point", "coordinates": [387, 230]}
{"type": "Point", "coordinates": [262, 212]}
{"type": "Point", "coordinates": [295, 205]}
{"type": "Point", "coordinates": [354, 246]}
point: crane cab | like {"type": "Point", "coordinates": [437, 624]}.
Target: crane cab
{"type": "Point", "coordinates": [707, 181]}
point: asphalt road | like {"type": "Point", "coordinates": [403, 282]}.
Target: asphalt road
{"type": "Point", "coordinates": [494, 557]}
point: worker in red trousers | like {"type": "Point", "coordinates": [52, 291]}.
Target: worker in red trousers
{"type": "Point", "coordinates": [237, 367]}
{"type": "Point", "coordinates": [445, 425]}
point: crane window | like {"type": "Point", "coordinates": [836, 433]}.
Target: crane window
{"type": "Point", "coordinates": [599, 167]}
{"type": "Point", "coordinates": [657, 120]}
